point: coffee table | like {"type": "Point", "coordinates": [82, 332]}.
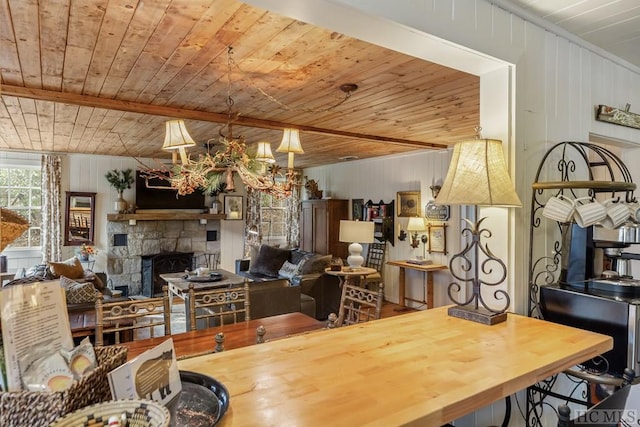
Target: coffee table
{"type": "Point", "coordinates": [179, 286]}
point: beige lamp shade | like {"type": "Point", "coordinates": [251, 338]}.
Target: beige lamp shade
{"type": "Point", "coordinates": [356, 231]}
{"type": "Point", "coordinates": [416, 224]}
{"type": "Point", "coordinates": [176, 136]}
{"type": "Point", "coordinates": [290, 144]}
{"type": "Point", "coordinates": [478, 176]}
{"type": "Point", "coordinates": [264, 153]}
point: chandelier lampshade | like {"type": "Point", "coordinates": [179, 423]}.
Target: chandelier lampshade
{"type": "Point", "coordinates": [177, 138]}
{"type": "Point", "coordinates": [290, 144]}
{"type": "Point", "coordinates": [264, 153]}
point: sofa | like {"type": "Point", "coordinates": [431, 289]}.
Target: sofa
{"type": "Point", "coordinates": [299, 277]}
{"type": "Point", "coordinates": [82, 286]}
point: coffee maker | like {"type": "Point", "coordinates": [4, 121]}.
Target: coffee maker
{"type": "Point", "coordinates": [597, 292]}
{"type": "Point", "coordinates": [595, 257]}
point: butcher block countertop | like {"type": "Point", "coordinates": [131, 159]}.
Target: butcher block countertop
{"type": "Point", "coordinates": [424, 368]}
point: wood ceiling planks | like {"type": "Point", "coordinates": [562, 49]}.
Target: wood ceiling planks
{"type": "Point", "coordinates": [114, 71]}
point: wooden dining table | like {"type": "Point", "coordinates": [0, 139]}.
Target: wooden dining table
{"type": "Point", "coordinates": [423, 368]}
{"type": "Point", "coordinates": [242, 334]}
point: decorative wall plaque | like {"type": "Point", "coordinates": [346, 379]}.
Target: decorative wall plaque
{"type": "Point", "coordinates": [618, 116]}
{"type": "Point", "coordinates": [436, 212]}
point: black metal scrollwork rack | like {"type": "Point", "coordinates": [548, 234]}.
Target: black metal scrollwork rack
{"type": "Point", "coordinates": [572, 169]}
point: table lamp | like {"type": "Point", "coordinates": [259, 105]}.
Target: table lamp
{"type": "Point", "coordinates": [417, 224]}
{"type": "Point", "coordinates": [356, 232]}
{"type": "Point", "coordinates": [478, 176]}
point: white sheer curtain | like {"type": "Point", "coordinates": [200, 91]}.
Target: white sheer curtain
{"type": "Point", "coordinates": [51, 208]}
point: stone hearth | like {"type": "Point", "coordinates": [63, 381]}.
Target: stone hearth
{"type": "Point", "coordinates": [128, 243]}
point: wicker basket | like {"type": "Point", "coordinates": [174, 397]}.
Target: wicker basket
{"type": "Point", "coordinates": [40, 409]}
{"type": "Point", "coordinates": [12, 225]}
{"type": "Point", "coordinates": [140, 413]}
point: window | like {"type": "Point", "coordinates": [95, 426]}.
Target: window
{"type": "Point", "coordinates": [20, 191]}
{"type": "Point", "coordinates": [273, 212]}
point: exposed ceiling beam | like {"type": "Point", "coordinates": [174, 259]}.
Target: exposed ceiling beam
{"type": "Point", "coordinates": [181, 113]}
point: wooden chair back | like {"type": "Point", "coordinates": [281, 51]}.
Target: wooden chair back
{"type": "Point", "coordinates": [224, 305]}
{"type": "Point", "coordinates": [375, 259]}
{"type": "Point", "coordinates": [358, 305]}
{"type": "Point", "coordinates": [137, 318]}
{"type": "Point", "coordinates": [375, 256]}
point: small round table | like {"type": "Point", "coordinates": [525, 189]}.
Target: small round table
{"type": "Point", "coordinates": [348, 274]}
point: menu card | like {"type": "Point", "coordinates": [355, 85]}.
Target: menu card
{"type": "Point", "coordinates": [34, 316]}
{"type": "Point", "coordinates": [153, 375]}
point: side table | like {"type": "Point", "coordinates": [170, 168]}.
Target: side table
{"type": "Point", "coordinates": [6, 277]}
{"type": "Point", "coordinates": [349, 274]}
{"type": "Point", "coordinates": [428, 269]}
{"type": "Point", "coordinates": [87, 264]}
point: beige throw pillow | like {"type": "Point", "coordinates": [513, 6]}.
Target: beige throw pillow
{"type": "Point", "coordinates": [70, 268]}
{"type": "Point", "coordinates": [78, 293]}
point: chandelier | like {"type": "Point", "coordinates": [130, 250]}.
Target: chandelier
{"type": "Point", "coordinates": [211, 173]}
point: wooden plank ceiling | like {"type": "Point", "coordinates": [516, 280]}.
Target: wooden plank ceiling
{"type": "Point", "coordinates": [103, 76]}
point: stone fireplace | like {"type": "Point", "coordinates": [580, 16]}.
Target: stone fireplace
{"type": "Point", "coordinates": [165, 262]}
{"type": "Point", "coordinates": [130, 242]}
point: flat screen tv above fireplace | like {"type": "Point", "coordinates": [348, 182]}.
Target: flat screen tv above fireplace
{"type": "Point", "coordinates": [156, 193]}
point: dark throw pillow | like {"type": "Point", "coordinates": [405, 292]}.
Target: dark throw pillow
{"type": "Point", "coordinates": [269, 261]}
{"type": "Point", "coordinates": [316, 264]}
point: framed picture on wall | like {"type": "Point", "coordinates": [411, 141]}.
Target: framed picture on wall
{"type": "Point", "coordinates": [356, 209]}
{"type": "Point", "coordinates": [438, 238]}
{"type": "Point", "coordinates": [233, 207]}
{"type": "Point", "coordinates": [408, 203]}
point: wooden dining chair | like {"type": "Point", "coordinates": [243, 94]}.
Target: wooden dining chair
{"type": "Point", "coordinates": [132, 319]}
{"type": "Point", "coordinates": [375, 259]}
{"type": "Point", "coordinates": [357, 305]}
{"type": "Point", "coordinates": [220, 306]}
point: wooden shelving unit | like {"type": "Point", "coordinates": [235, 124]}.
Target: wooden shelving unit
{"type": "Point", "coordinates": [382, 215]}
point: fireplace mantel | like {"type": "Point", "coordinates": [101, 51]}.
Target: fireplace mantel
{"type": "Point", "coordinates": [164, 216]}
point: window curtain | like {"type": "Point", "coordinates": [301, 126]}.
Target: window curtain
{"type": "Point", "coordinates": [252, 234]}
{"type": "Point", "coordinates": [293, 218]}
{"type": "Point", "coordinates": [51, 208]}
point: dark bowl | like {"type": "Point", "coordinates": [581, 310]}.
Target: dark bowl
{"type": "Point", "coordinates": [202, 402]}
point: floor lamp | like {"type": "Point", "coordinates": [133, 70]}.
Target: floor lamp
{"type": "Point", "coordinates": [478, 176]}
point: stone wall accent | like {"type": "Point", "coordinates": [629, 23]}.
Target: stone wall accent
{"type": "Point", "coordinates": [153, 237]}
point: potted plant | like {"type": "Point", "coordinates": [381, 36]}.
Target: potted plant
{"type": "Point", "coordinates": [120, 180]}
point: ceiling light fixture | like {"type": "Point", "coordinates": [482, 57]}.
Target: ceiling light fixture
{"type": "Point", "coordinates": [211, 171]}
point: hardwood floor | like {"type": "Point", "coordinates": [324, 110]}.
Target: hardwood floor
{"type": "Point", "coordinates": [390, 309]}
